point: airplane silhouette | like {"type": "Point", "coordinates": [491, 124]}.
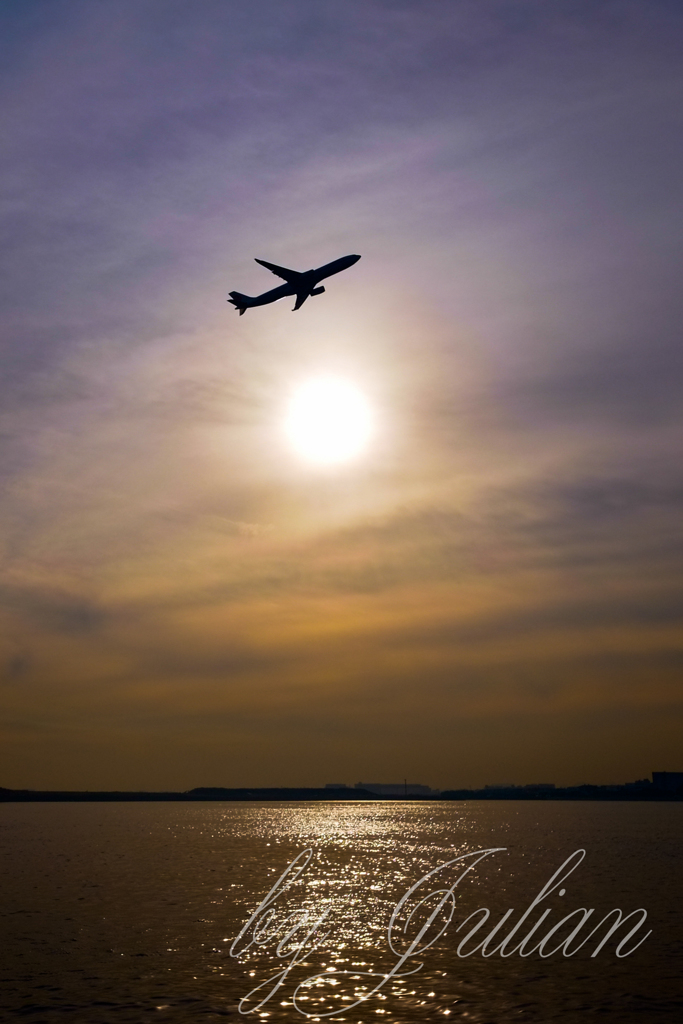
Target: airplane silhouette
{"type": "Point", "coordinates": [301, 284]}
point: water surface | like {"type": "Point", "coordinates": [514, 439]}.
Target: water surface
{"type": "Point", "coordinates": [126, 912]}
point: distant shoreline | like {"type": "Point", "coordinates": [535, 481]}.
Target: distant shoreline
{"type": "Point", "coordinates": [619, 793]}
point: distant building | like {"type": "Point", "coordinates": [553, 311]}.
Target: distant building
{"type": "Point", "coordinates": [670, 782]}
{"type": "Point", "coordinates": [638, 784]}
{"type": "Point", "coordinates": [530, 785]}
{"type": "Point", "coordinates": [397, 789]}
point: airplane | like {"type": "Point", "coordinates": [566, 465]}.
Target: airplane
{"type": "Point", "coordinates": [301, 284]}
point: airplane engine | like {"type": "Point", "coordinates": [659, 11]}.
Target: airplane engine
{"type": "Point", "coordinates": [318, 291]}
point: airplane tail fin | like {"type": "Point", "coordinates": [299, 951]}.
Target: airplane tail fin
{"type": "Point", "coordinates": [239, 301]}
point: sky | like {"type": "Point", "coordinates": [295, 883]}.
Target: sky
{"type": "Point", "coordinates": [492, 589]}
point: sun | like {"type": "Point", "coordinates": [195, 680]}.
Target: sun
{"type": "Point", "coordinates": [328, 421]}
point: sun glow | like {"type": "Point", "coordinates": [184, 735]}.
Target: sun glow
{"type": "Point", "coordinates": [328, 421]}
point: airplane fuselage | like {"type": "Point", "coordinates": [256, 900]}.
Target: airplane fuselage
{"type": "Point", "coordinates": [343, 263]}
{"type": "Point", "coordinates": [273, 295]}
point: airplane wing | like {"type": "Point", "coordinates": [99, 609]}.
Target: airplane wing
{"type": "Point", "coordinates": [290, 276]}
{"type": "Point", "coordinates": [300, 299]}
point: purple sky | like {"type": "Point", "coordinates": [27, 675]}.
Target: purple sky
{"type": "Point", "coordinates": [493, 592]}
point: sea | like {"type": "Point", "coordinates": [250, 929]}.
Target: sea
{"type": "Point", "coordinates": [353, 911]}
